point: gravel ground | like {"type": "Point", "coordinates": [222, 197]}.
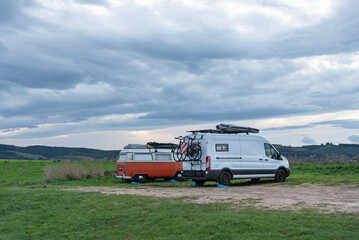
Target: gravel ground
{"type": "Point", "coordinates": [343, 198]}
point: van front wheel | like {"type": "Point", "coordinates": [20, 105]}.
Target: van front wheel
{"type": "Point", "coordinates": [280, 176]}
{"type": "Point", "coordinates": [225, 178]}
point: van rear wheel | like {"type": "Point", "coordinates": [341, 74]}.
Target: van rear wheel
{"type": "Point", "coordinates": [178, 176]}
{"type": "Point", "coordinates": [141, 178]}
{"type": "Point", "coordinates": [225, 178]}
{"type": "Point", "coordinates": [280, 176]}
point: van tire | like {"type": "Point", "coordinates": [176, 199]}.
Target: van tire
{"type": "Point", "coordinates": [281, 175]}
{"type": "Point", "coordinates": [178, 176]}
{"type": "Point", "coordinates": [141, 178]}
{"type": "Point", "coordinates": [225, 178]}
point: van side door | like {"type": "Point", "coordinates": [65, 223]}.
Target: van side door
{"type": "Point", "coordinates": [252, 156]}
{"type": "Point", "coordinates": [163, 166]}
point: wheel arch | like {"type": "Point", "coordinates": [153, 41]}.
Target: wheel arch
{"type": "Point", "coordinates": [285, 170]}
{"type": "Point", "coordinates": [226, 170]}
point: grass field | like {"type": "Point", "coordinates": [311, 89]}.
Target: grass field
{"type": "Point", "coordinates": [38, 210]}
{"type": "Point", "coordinates": [33, 173]}
{"type": "Point", "coordinates": [42, 213]}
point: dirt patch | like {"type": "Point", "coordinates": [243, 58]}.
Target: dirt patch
{"type": "Point", "coordinates": [327, 199]}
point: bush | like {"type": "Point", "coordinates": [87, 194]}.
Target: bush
{"type": "Point", "coordinates": [73, 171]}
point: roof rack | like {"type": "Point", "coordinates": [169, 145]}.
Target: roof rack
{"type": "Point", "coordinates": [227, 128]}
{"type": "Point", "coordinates": [157, 145]}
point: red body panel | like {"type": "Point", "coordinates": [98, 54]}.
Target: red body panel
{"type": "Point", "coordinates": [151, 169]}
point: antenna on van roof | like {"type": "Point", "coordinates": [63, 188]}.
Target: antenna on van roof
{"type": "Point", "coordinates": [228, 128]}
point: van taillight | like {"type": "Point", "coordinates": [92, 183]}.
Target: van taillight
{"type": "Point", "coordinates": [208, 163]}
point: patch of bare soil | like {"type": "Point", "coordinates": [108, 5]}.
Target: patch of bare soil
{"type": "Point", "coordinates": [327, 199]}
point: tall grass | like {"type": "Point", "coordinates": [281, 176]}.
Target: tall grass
{"type": "Point", "coordinates": [73, 171]}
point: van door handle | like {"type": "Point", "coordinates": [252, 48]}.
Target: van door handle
{"type": "Point", "coordinates": [261, 159]}
{"type": "Point", "coordinates": [265, 159]}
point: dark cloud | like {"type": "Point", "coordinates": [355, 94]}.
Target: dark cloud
{"type": "Point", "coordinates": [9, 9]}
{"type": "Point", "coordinates": [308, 140]}
{"type": "Point", "coordinates": [93, 2]}
{"type": "Point", "coordinates": [354, 138]}
{"type": "Point", "coordinates": [174, 65]}
{"type": "Point", "coordinates": [348, 124]}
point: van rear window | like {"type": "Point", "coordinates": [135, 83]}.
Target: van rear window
{"type": "Point", "coordinates": [251, 148]}
{"type": "Point", "coordinates": [222, 148]}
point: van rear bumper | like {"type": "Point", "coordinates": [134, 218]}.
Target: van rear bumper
{"type": "Point", "coordinates": [123, 176]}
{"type": "Point", "coordinates": [200, 175]}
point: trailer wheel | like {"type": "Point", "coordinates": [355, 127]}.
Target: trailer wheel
{"type": "Point", "coordinates": [141, 178]}
{"type": "Point", "coordinates": [280, 176]}
{"type": "Point", "coordinates": [178, 176]}
{"type": "Point", "coordinates": [225, 178]}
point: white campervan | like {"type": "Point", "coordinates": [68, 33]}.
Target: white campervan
{"type": "Point", "coordinates": [222, 155]}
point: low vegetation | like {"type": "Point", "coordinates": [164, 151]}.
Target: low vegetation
{"type": "Point", "coordinates": [74, 171]}
{"type": "Point", "coordinates": [45, 172]}
{"type": "Point", "coordinates": [102, 174]}
{"type": "Point", "coordinates": [44, 213]}
{"type": "Point", "coordinates": [40, 210]}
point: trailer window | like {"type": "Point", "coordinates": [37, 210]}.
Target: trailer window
{"type": "Point", "coordinates": [122, 158]}
{"type": "Point", "coordinates": [222, 148]}
{"type": "Point", "coordinates": [163, 157]}
{"type": "Point", "coordinates": [143, 157]}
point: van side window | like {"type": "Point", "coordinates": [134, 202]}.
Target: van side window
{"type": "Point", "coordinates": [122, 158]}
{"type": "Point", "coordinates": [251, 148]}
{"type": "Point", "coordinates": [143, 157]}
{"type": "Point", "coordinates": [163, 157]}
{"type": "Point", "coordinates": [271, 152]}
{"type": "Point", "coordinates": [222, 148]}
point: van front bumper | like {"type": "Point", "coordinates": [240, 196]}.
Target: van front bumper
{"type": "Point", "coordinates": [122, 176]}
{"type": "Point", "coordinates": [288, 171]}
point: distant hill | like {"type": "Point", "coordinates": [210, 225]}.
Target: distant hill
{"type": "Point", "coordinates": [59, 153]}
{"type": "Point", "coordinates": [323, 152]}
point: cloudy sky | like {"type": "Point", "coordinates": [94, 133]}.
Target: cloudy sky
{"type": "Point", "coordinates": [104, 73]}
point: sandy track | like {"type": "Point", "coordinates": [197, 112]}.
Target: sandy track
{"type": "Point", "coordinates": [327, 199]}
